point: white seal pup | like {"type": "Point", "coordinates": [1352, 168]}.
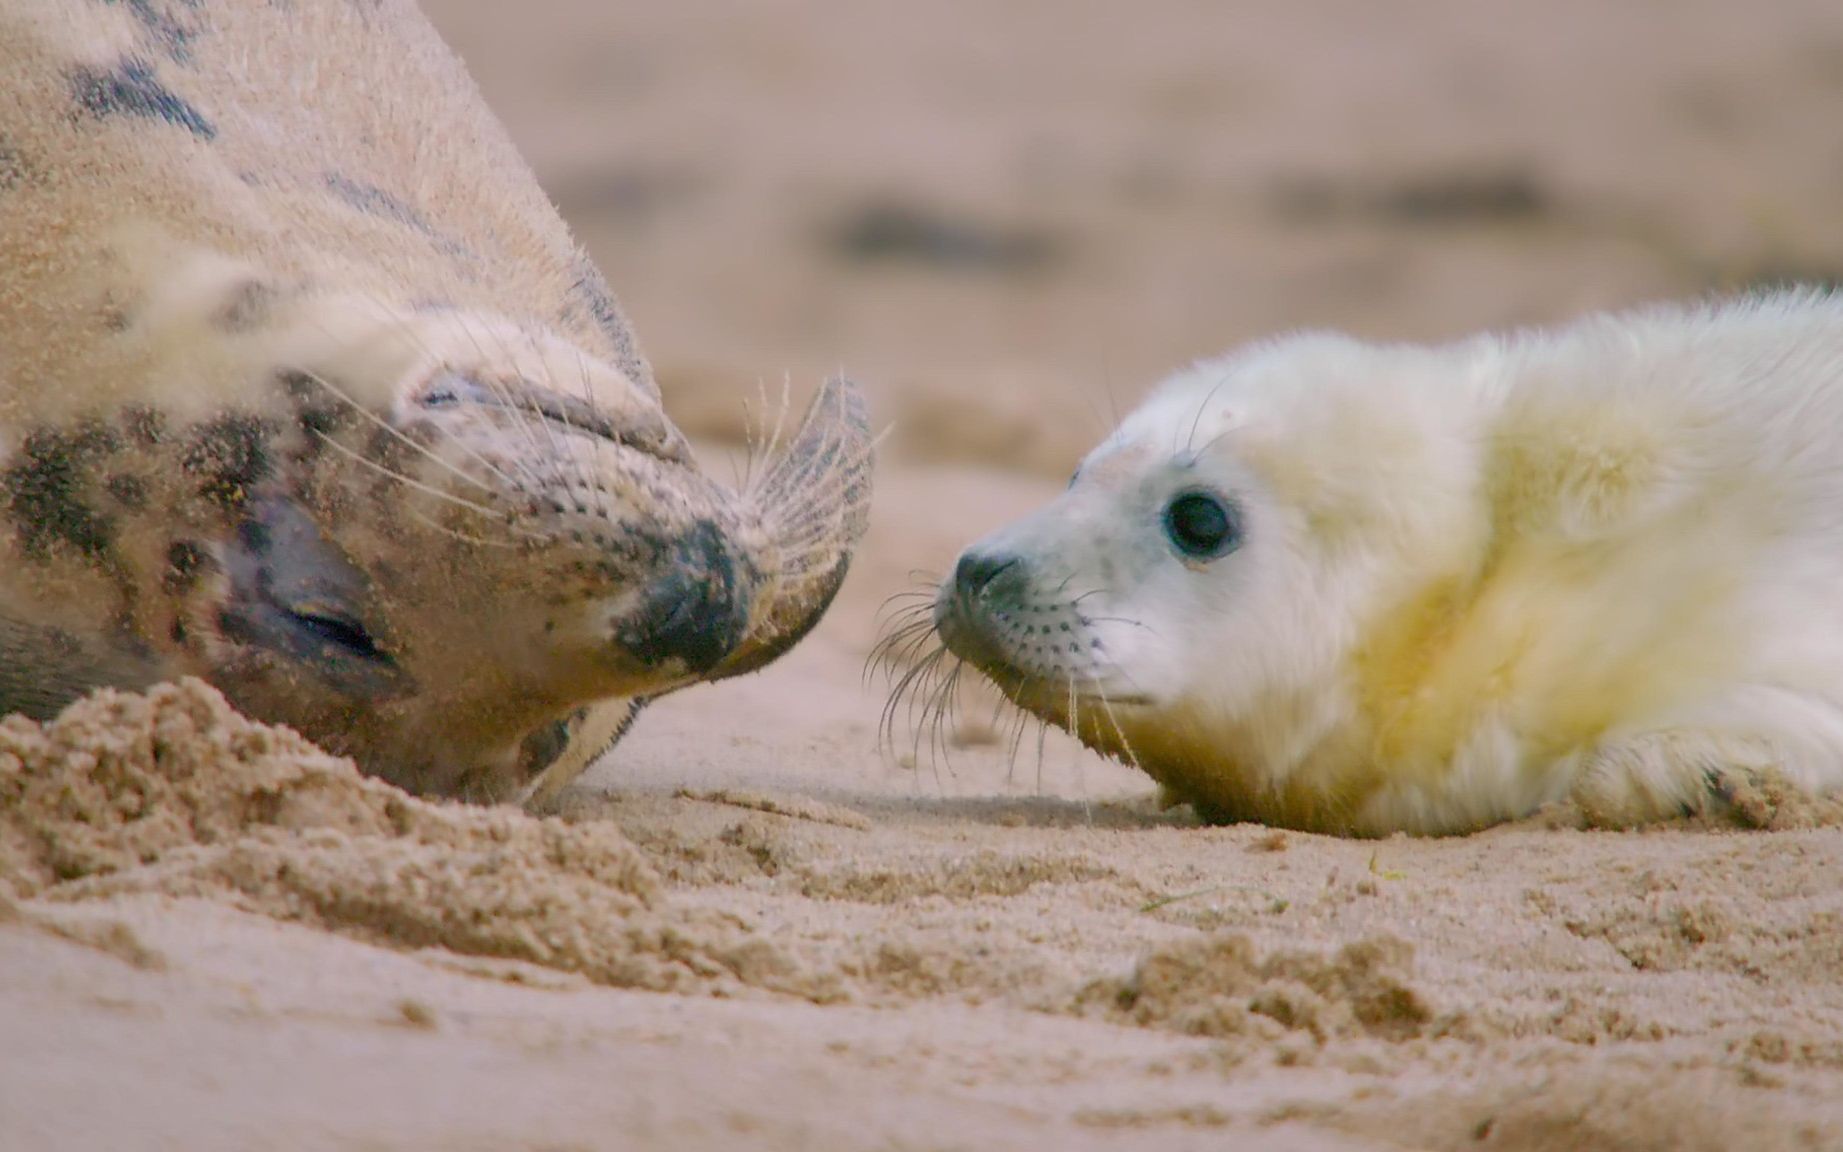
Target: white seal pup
{"type": "Point", "coordinates": [1363, 588]}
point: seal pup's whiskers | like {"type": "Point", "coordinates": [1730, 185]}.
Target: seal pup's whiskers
{"type": "Point", "coordinates": [1195, 420]}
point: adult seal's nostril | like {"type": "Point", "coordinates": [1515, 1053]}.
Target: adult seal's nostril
{"type": "Point", "coordinates": [695, 621]}
{"type": "Point", "coordinates": [695, 613]}
{"type": "Point", "coordinates": [976, 570]}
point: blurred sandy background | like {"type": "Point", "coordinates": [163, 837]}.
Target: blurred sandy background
{"type": "Point", "coordinates": [1008, 220]}
{"type": "Point", "coordinates": [1060, 200]}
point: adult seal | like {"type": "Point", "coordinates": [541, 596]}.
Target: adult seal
{"type": "Point", "coordinates": [1361, 589]}
{"type": "Point", "coordinates": [306, 390]}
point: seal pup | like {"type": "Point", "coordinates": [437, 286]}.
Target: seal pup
{"type": "Point", "coordinates": [1363, 588]}
{"type": "Point", "coordinates": [306, 390]}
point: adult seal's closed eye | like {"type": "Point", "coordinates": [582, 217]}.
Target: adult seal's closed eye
{"type": "Point", "coordinates": [305, 389]}
{"type": "Point", "coordinates": [1360, 589]}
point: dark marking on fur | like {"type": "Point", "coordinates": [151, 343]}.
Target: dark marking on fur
{"type": "Point", "coordinates": [255, 537]}
{"type": "Point", "coordinates": [375, 201]}
{"type": "Point", "coordinates": [131, 89]}
{"type": "Point", "coordinates": [45, 491]}
{"type": "Point", "coordinates": [590, 291]}
{"type": "Point", "coordinates": [130, 491]}
{"type": "Point", "coordinates": [695, 612]}
{"type": "Point", "coordinates": [145, 426]}
{"type": "Point", "coordinates": [546, 742]}
{"type": "Point", "coordinates": [229, 456]}
{"type": "Point", "coordinates": [386, 447]}
{"type": "Point", "coordinates": [166, 32]}
{"type": "Point", "coordinates": [183, 561]}
{"type": "Point", "coordinates": [592, 288]}
{"type": "Point", "coordinates": [246, 306]}
{"type": "Point", "coordinates": [318, 410]}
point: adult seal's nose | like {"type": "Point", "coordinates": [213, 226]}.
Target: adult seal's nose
{"type": "Point", "coordinates": [977, 569]}
{"type": "Point", "coordinates": [696, 613]}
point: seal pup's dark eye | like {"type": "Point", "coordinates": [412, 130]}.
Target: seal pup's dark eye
{"type": "Point", "coordinates": [1202, 525]}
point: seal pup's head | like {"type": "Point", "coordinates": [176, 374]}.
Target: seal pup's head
{"type": "Point", "coordinates": [1197, 600]}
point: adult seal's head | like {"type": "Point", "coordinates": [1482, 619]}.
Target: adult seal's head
{"type": "Point", "coordinates": [305, 390]}
{"type": "Point", "coordinates": [1363, 589]}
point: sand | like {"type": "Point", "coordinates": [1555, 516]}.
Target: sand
{"type": "Point", "coordinates": [756, 926]}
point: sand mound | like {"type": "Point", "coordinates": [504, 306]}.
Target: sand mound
{"type": "Point", "coordinates": [1604, 1110]}
{"type": "Point", "coordinates": [1218, 986]}
{"type": "Point", "coordinates": [174, 792]}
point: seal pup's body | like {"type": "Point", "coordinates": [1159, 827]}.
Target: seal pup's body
{"type": "Point", "coordinates": [306, 390]}
{"type": "Point", "coordinates": [1358, 588]}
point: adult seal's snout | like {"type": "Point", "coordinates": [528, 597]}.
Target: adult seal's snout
{"type": "Point", "coordinates": [697, 612]}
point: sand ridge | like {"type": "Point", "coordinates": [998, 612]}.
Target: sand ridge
{"type": "Point", "coordinates": [1534, 987]}
{"type": "Point", "coordinates": [174, 792]}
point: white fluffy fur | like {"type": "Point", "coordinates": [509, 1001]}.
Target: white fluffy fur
{"type": "Point", "coordinates": [1604, 562]}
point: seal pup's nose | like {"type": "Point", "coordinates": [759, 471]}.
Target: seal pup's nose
{"type": "Point", "coordinates": [977, 569]}
{"type": "Point", "coordinates": [969, 611]}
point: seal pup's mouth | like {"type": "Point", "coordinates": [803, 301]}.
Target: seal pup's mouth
{"type": "Point", "coordinates": [1038, 652]}
{"type": "Point", "coordinates": [987, 618]}
{"type": "Point", "coordinates": [1054, 699]}
{"type": "Point", "coordinates": [968, 635]}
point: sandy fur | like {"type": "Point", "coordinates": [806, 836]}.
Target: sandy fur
{"type": "Point", "coordinates": [381, 176]}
